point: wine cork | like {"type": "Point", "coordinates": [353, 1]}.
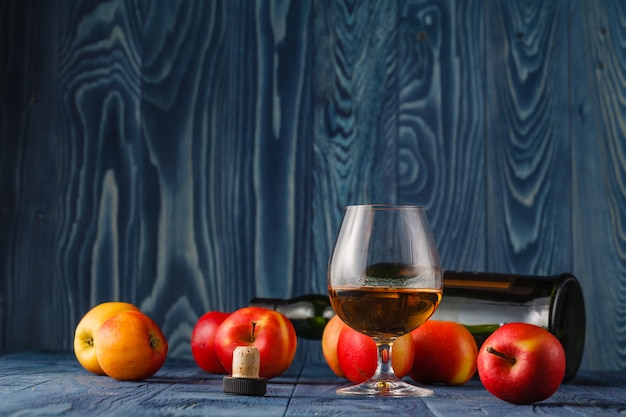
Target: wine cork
{"type": "Point", "coordinates": [245, 373]}
{"type": "Point", "coordinates": [246, 362]}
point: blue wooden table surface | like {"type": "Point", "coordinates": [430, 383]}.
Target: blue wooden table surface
{"type": "Point", "coordinates": [54, 384]}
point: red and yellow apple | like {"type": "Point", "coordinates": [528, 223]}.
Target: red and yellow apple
{"type": "Point", "coordinates": [521, 363]}
{"type": "Point", "coordinates": [130, 346]}
{"type": "Point", "coordinates": [203, 341]}
{"type": "Point", "coordinates": [357, 354]}
{"type": "Point", "coordinates": [353, 355]}
{"type": "Point", "coordinates": [86, 331]}
{"type": "Point", "coordinates": [269, 331]}
{"type": "Point", "coordinates": [330, 336]}
{"type": "Point", "coordinates": [445, 352]}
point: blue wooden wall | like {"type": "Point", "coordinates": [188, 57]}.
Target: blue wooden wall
{"type": "Point", "coordinates": [189, 155]}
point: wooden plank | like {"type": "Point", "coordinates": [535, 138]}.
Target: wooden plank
{"type": "Point", "coordinates": [528, 170]}
{"type": "Point", "coordinates": [281, 149]}
{"type": "Point", "coordinates": [599, 172]}
{"type": "Point", "coordinates": [354, 115]}
{"type": "Point", "coordinates": [194, 103]}
{"type": "Point", "coordinates": [440, 156]}
{"type": "Point", "coordinates": [56, 384]}
{"type": "Point", "coordinates": [179, 388]}
{"type": "Point", "coordinates": [29, 288]}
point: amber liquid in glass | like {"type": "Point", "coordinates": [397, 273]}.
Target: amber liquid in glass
{"type": "Point", "coordinates": [384, 312]}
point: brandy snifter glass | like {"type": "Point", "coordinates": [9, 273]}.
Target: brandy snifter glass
{"type": "Point", "coordinates": [384, 280]}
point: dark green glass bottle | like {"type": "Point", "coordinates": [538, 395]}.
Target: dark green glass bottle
{"type": "Point", "coordinates": [480, 301]}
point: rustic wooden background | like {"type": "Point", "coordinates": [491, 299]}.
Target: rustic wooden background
{"type": "Point", "coordinates": [189, 155]}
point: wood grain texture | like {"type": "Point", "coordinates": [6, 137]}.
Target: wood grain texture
{"type": "Point", "coordinates": [354, 117]}
{"type": "Point", "coordinates": [97, 229]}
{"type": "Point", "coordinates": [29, 292]}
{"type": "Point", "coordinates": [598, 155]}
{"type": "Point", "coordinates": [188, 224]}
{"type": "Point", "coordinates": [441, 142]}
{"type": "Point", "coordinates": [44, 384]}
{"type": "Point", "coordinates": [529, 172]}
{"type": "Point", "coordinates": [189, 155]}
{"type": "Point", "coordinates": [188, 141]}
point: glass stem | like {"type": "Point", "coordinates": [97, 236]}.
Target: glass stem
{"type": "Point", "coordinates": [384, 369]}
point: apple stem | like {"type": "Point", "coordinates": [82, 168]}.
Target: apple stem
{"type": "Point", "coordinates": [506, 357]}
{"type": "Point", "coordinates": [253, 323]}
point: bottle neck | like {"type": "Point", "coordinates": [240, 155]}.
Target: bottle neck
{"type": "Point", "coordinates": [308, 313]}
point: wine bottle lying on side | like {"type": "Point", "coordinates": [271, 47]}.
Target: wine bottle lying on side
{"type": "Point", "coordinates": [482, 302]}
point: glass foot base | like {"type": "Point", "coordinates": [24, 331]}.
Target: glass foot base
{"type": "Point", "coordinates": [386, 389]}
